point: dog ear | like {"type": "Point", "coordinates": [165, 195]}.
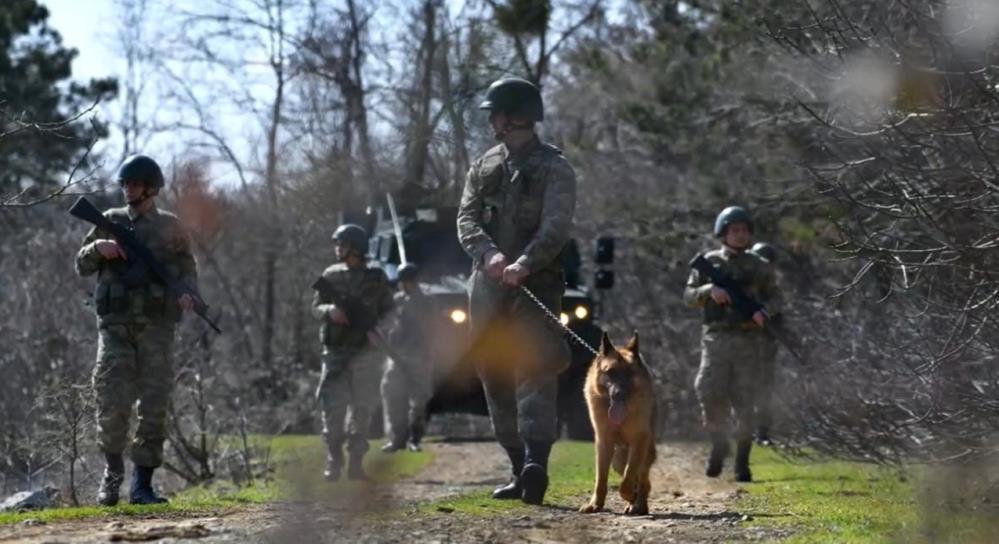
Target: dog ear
{"type": "Point", "coordinates": [606, 347]}
{"type": "Point", "coordinates": [633, 343]}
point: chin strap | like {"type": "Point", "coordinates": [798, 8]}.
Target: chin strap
{"type": "Point", "coordinates": [146, 195]}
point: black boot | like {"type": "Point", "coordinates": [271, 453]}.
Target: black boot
{"type": "Point", "coordinates": [534, 477]}
{"type": "Point", "coordinates": [114, 475]}
{"type": "Point", "coordinates": [415, 437]}
{"type": "Point", "coordinates": [763, 435]}
{"type": "Point", "coordinates": [742, 449]}
{"type": "Point", "coordinates": [512, 490]}
{"type": "Point", "coordinates": [719, 451]}
{"type": "Point", "coordinates": [142, 487]}
{"type": "Point", "coordinates": [334, 464]}
{"type": "Point", "coordinates": [355, 468]}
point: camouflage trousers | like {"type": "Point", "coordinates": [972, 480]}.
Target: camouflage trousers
{"type": "Point", "coordinates": [727, 380]}
{"type": "Point", "coordinates": [406, 390]}
{"type": "Point", "coordinates": [349, 380]}
{"type": "Point", "coordinates": [134, 363]}
{"type": "Point", "coordinates": [519, 355]}
{"type": "Point", "coordinates": [765, 387]}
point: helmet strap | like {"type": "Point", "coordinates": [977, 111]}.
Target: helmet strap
{"type": "Point", "coordinates": [146, 195]}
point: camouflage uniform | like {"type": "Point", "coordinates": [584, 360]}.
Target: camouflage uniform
{"type": "Point", "coordinates": [136, 319]}
{"type": "Point", "coordinates": [522, 205]}
{"type": "Point", "coordinates": [730, 370]}
{"type": "Point", "coordinates": [351, 365]}
{"type": "Point", "coordinates": [408, 380]}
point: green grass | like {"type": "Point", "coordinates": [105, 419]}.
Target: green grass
{"type": "Point", "coordinates": [298, 463]}
{"type": "Point", "coordinates": [841, 502]}
{"type": "Point", "coordinates": [571, 473]}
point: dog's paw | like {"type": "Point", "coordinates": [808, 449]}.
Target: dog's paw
{"type": "Point", "coordinates": [637, 510]}
{"type": "Point", "coordinates": [627, 492]}
{"type": "Point", "coordinates": [590, 508]}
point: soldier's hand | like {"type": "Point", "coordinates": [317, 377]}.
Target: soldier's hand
{"type": "Point", "coordinates": [720, 296]}
{"type": "Point", "coordinates": [514, 275]}
{"type": "Point", "coordinates": [186, 302]}
{"type": "Point", "coordinates": [495, 264]}
{"type": "Point", "coordinates": [760, 318]}
{"type": "Point", "coordinates": [338, 317]}
{"type": "Point", "coordinates": [109, 249]}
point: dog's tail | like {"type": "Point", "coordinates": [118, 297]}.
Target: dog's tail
{"type": "Point", "coordinates": [620, 459]}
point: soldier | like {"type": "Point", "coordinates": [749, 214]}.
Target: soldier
{"type": "Point", "coordinates": [730, 345]}
{"type": "Point", "coordinates": [408, 374]}
{"type": "Point", "coordinates": [350, 298]}
{"type": "Point", "coordinates": [514, 221]}
{"type": "Point", "coordinates": [136, 321]}
{"type": "Point", "coordinates": [768, 360]}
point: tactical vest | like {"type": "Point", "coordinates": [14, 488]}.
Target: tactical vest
{"type": "Point", "coordinates": [126, 291]}
{"type": "Point", "coordinates": [356, 292]}
{"type": "Point", "coordinates": [513, 197]}
{"type": "Point", "coordinates": [746, 269]}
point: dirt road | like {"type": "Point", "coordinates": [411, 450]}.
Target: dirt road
{"type": "Point", "coordinates": [686, 507]}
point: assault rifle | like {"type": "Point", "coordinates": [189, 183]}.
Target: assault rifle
{"type": "Point", "coordinates": [141, 260]}
{"type": "Point", "coordinates": [745, 305]}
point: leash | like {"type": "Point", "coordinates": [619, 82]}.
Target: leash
{"type": "Point", "coordinates": [552, 317]}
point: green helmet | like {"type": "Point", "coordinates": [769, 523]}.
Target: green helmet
{"type": "Point", "coordinates": [732, 214]}
{"type": "Point", "coordinates": [352, 236]}
{"type": "Point", "coordinates": [513, 95]}
{"type": "Point", "coordinates": [408, 272]}
{"type": "Point", "coordinates": [141, 168]}
{"type": "Point", "coordinates": [765, 250]}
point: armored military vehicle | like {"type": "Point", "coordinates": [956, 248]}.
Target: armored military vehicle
{"type": "Point", "coordinates": [430, 240]}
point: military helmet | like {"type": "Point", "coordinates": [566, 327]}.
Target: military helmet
{"type": "Point", "coordinates": [765, 250]}
{"type": "Point", "coordinates": [141, 168]}
{"type": "Point", "coordinates": [408, 272]}
{"type": "Point", "coordinates": [513, 95]}
{"type": "Point", "coordinates": [732, 214]}
{"type": "Point", "coordinates": [353, 236]}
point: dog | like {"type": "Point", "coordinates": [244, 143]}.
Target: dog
{"type": "Point", "coordinates": [622, 404]}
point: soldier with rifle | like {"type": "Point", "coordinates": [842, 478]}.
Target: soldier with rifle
{"type": "Point", "coordinates": [350, 298]}
{"type": "Point", "coordinates": [737, 292]}
{"type": "Point", "coordinates": [146, 277]}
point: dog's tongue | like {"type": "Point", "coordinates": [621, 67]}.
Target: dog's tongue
{"type": "Point", "coordinates": [616, 413]}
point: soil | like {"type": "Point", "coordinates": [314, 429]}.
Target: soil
{"type": "Point", "coordinates": [685, 506]}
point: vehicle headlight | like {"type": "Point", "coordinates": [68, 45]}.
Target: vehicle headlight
{"type": "Point", "coordinates": [581, 312]}
{"type": "Point", "coordinates": [459, 316]}
{"type": "Point", "coordinates": [564, 318]}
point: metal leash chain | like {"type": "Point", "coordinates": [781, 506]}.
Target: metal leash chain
{"type": "Point", "coordinates": [551, 316]}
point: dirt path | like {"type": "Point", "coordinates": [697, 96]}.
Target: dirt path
{"type": "Point", "coordinates": [686, 508]}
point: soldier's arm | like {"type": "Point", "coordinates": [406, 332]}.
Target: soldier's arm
{"type": "Point", "coordinates": [322, 300]}
{"type": "Point", "coordinates": [386, 300]}
{"type": "Point", "coordinates": [88, 259]}
{"type": "Point", "coordinates": [773, 299]}
{"type": "Point", "coordinates": [558, 206]}
{"type": "Point", "coordinates": [697, 292]}
{"type": "Point", "coordinates": [187, 264]}
{"type": "Point", "coordinates": [471, 231]}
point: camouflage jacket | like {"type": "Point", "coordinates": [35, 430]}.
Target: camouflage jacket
{"type": "Point", "coordinates": [520, 204]}
{"type": "Point", "coordinates": [752, 272]}
{"type": "Point", "coordinates": [120, 298]}
{"type": "Point", "coordinates": [363, 293]}
{"type": "Point", "coordinates": [410, 330]}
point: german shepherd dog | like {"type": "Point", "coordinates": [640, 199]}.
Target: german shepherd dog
{"type": "Point", "coordinates": [622, 405]}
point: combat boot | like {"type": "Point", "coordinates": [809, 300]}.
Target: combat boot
{"type": "Point", "coordinates": [114, 475]}
{"type": "Point", "coordinates": [355, 468]}
{"type": "Point", "coordinates": [142, 487]}
{"type": "Point", "coordinates": [763, 435]}
{"type": "Point", "coordinates": [742, 472]}
{"type": "Point", "coordinates": [392, 447]}
{"type": "Point", "coordinates": [415, 437]}
{"type": "Point", "coordinates": [716, 459]}
{"type": "Point", "coordinates": [334, 465]}
{"type": "Point", "coordinates": [534, 477]}
{"type": "Point", "coordinates": [512, 490]}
